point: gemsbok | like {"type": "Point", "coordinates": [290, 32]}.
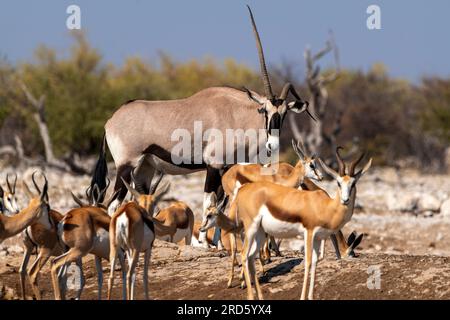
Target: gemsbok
{"type": "Point", "coordinates": [283, 212]}
{"type": "Point", "coordinates": [153, 130]}
{"type": "Point", "coordinates": [132, 229]}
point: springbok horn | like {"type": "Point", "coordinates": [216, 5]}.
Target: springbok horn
{"type": "Point", "coordinates": [27, 190]}
{"type": "Point", "coordinates": [34, 182]}
{"type": "Point", "coordinates": [354, 163]}
{"type": "Point", "coordinates": [154, 185]}
{"type": "Point", "coordinates": [340, 162]}
{"type": "Point", "coordinates": [78, 200]}
{"type": "Point", "coordinates": [44, 194]}
{"type": "Point", "coordinates": [112, 198]}
{"type": "Point", "coordinates": [13, 189]}
{"type": "Point", "coordinates": [133, 192]}
{"type": "Point", "coordinates": [262, 62]}
{"type": "Point", "coordinates": [297, 150]}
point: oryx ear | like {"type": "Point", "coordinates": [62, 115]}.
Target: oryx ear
{"type": "Point", "coordinates": [364, 170]}
{"type": "Point", "coordinates": [298, 106]}
{"type": "Point", "coordinates": [252, 95]}
{"type": "Point", "coordinates": [328, 170]}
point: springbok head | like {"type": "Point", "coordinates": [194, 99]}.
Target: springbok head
{"type": "Point", "coordinates": [308, 161]}
{"type": "Point", "coordinates": [213, 212]}
{"type": "Point", "coordinates": [148, 201]}
{"type": "Point", "coordinates": [8, 199]}
{"type": "Point", "coordinates": [273, 107]}
{"type": "Point", "coordinates": [40, 200]}
{"type": "Point", "coordinates": [346, 178]}
{"type": "Point", "coordinates": [95, 196]}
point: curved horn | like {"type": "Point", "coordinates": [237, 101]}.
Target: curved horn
{"type": "Point", "coordinates": [262, 62]}
{"type": "Point", "coordinates": [112, 198]}
{"type": "Point", "coordinates": [133, 192]}
{"type": "Point", "coordinates": [154, 185]}
{"type": "Point", "coordinates": [78, 200]}
{"type": "Point", "coordinates": [340, 162]}
{"type": "Point", "coordinates": [297, 150]}
{"type": "Point", "coordinates": [354, 163]}
{"type": "Point", "coordinates": [95, 195]}
{"type": "Point", "coordinates": [44, 194]}
{"type": "Point", "coordinates": [34, 182]}
{"type": "Point", "coordinates": [13, 188]}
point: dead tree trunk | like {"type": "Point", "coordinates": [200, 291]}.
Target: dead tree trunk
{"type": "Point", "coordinates": [38, 111]}
{"type": "Point", "coordinates": [316, 137]}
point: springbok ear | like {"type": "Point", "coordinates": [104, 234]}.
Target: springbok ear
{"type": "Point", "coordinates": [364, 170]}
{"type": "Point", "coordinates": [78, 201]}
{"type": "Point", "coordinates": [133, 192]}
{"type": "Point", "coordinates": [212, 200]}
{"type": "Point", "coordinates": [328, 170]}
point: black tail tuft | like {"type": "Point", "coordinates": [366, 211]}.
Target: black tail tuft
{"type": "Point", "coordinates": [100, 172]}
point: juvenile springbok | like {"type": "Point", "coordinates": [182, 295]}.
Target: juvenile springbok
{"type": "Point", "coordinates": [41, 236]}
{"type": "Point", "coordinates": [38, 206]}
{"type": "Point", "coordinates": [132, 229]}
{"type": "Point", "coordinates": [268, 208]}
{"type": "Point", "coordinates": [83, 231]}
{"type": "Point", "coordinates": [8, 199]}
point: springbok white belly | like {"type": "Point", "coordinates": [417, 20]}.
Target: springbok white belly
{"type": "Point", "coordinates": [279, 228]}
{"type": "Point", "coordinates": [101, 244]}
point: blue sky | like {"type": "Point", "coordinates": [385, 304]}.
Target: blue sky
{"type": "Point", "coordinates": [413, 41]}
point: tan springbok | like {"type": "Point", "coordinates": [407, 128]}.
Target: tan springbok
{"type": "Point", "coordinates": [132, 229]}
{"type": "Point", "coordinates": [268, 208]}
{"type": "Point", "coordinates": [38, 206]}
{"type": "Point", "coordinates": [84, 231]}
{"type": "Point", "coordinates": [40, 236]}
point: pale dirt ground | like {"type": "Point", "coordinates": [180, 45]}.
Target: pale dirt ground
{"type": "Point", "coordinates": [411, 248]}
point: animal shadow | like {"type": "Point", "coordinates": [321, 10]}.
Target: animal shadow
{"type": "Point", "coordinates": [280, 269]}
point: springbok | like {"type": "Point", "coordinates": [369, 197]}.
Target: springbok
{"type": "Point", "coordinates": [150, 129]}
{"type": "Point", "coordinates": [82, 231]}
{"type": "Point", "coordinates": [132, 228]}
{"type": "Point", "coordinates": [41, 235]}
{"type": "Point", "coordinates": [268, 208]}
{"type": "Point", "coordinates": [299, 176]}
{"type": "Point", "coordinates": [38, 206]}
{"type": "Point", "coordinates": [8, 199]}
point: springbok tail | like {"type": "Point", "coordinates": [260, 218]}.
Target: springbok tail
{"type": "Point", "coordinates": [100, 172]}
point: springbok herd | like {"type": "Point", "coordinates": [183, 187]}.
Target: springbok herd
{"type": "Point", "coordinates": [246, 207]}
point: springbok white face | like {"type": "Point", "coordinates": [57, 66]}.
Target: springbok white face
{"type": "Point", "coordinates": [212, 213]}
{"type": "Point", "coordinates": [308, 162]}
{"type": "Point", "coordinates": [346, 181]}
{"type": "Point", "coordinates": [9, 198]}
{"type": "Point", "coordinates": [10, 203]}
{"type": "Point", "coordinates": [311, 170]}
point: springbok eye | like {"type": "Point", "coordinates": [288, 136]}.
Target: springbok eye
{"type": "Point", "coordinates": [311, 166]}
{"type": "Point", "coordinates": [339, 184]}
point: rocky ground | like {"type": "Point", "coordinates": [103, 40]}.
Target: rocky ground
{"type": "Point", "coordinates": [405, 217]}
